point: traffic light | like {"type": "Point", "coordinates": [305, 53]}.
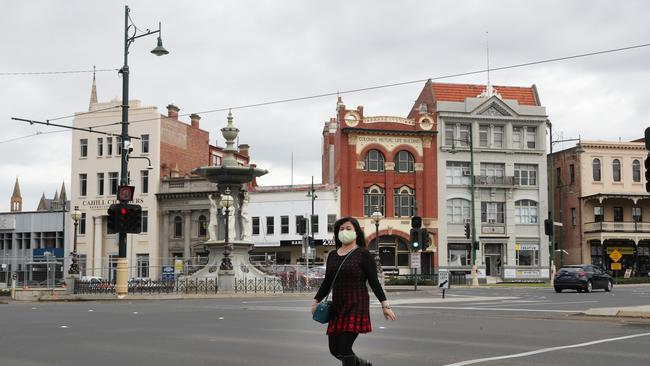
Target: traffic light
{"type": "Point", "coordinates": [124, 218]}
{"type": "Point", "coordinates": [646, 163]}
{"type": "Point", "coordinates": [312, 242]}
{"type": "Point", "coordinates": [415, 240]}
{"type": "Point", "coordinates": [468, 230]}
{"type": "Point", "coordinates": [416, 222]}
{"type": "Point", "coordinates": [475, 245]}
{"type": "Point", "coordinates": [548, 227]}
{"type": "Point", "coordinates": [424, 237]}
{"type": "Point", "coordinates": [302, 225]}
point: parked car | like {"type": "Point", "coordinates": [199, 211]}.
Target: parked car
{"type": "Point", "coordinates": [315, 276]}
{"type": "Point", "coordinates": [582, 277]}
{"type": "Point", "coordinates": [292, 275]}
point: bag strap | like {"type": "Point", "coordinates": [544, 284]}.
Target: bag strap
{"type": "Point", "coordinates": [337, 273]}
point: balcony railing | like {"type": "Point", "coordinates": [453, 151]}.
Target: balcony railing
{"type": "Point", "coordinates": [618, 226]}
{"type": "Point", "coordinates": [484, 180]}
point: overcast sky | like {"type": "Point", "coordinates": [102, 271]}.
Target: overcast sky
{"type": "Point", "coordinates": [230, 53]}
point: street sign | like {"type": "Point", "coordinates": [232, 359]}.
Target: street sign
{"type": "Point", "coordinates": [616, 266]}
{"type": "Point", "coordinates": [616, 255]}
{"type": "Point", "coordinates": [168, 273]}
{"type": "Point", "coordinates": [443, 279]}
{"type": "Point", "coordinates": [415, 260]}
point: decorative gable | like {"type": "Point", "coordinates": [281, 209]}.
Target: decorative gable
{"type": "Point", "coordinates": [494, 107]}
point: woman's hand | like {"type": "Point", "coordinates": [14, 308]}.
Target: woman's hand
{"type": "Point", "coordinates": [314, 303]}
{"type": "Point", "coordinates": [388, 312]}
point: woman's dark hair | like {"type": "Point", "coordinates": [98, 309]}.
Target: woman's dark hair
{"type": "Point", "coordinates": [361, 237]}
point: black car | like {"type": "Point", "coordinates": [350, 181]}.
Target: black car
{"type": "Point", "coordinates": [582, 277]}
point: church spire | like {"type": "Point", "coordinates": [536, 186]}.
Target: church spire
{"type": "Point", "coordinates": [93, 91]}
{"type": "Point", "coordinates": [16, 198]}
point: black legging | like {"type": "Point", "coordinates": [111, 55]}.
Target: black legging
{"type": "Point", "coordinates": [341, 344]}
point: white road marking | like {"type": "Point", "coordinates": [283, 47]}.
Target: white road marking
{"type": "Point", "coordinates": [479, 308]}
{"type": "Point", "coordinates": [221, 318]}
{"type": "Point", "coordinates": [64, 326]}
{"type": "Point", "coordinates": [91, 310]}
{"type": "Point", "coordinates": [543, 303]}
{"type": "Point", "coordinates": [545, 350]}
{"type": "Point", "coordinates": [135, 313]}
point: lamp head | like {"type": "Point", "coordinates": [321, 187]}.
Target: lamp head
{"type": "Point", "coordinates": [76, 214]}
{"type": "Point", "coordinates": [159, 50]}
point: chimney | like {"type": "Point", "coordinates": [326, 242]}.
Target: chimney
{"type": "Point", "coordinates": [172, 111]}
{"type": "Point", "coordinates": [243, 149]}
{"type": "Point", "coordinates": [195, 118]}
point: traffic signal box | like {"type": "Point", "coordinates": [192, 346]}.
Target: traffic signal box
{"type": "Point", "coordinates": [468, 230]}
{"type": "Point", "coordinates": [646, 162]}
{"type": "Point", "coordinates": [124, 218]}
{"type": "Point", "coordinates": [419, 235]}
{"type": "Point", "coordinates": [302, 225]}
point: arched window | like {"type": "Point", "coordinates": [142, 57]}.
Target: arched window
{"type": "Point", "coordinates": [178, 227]}
{"type": "Point", "coordinates": [405, 162]}
{"type": "Point", "coordinates": [636, 171]}
{"type": "Point", "coordinates": [374, 161]}
{"type": "Point", "coordinates": [457, 211]}
{"type": "Point", "coordinates": [203, 226]}
{"type": "Point", "coordinates": [404, 202]}
{"type": "Point", "coordinates": [596, 169]}
{"type": "Point", "coordinates": [373, 197]}
{"type": "Point", "coordinates": [616, 170]}
{"type": "Point", "coordinates": [525, 212]}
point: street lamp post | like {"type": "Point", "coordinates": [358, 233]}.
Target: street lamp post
{"type": "Point", "coordinates": [311, 239]}
{"type": "Point", "coordinates": [376, 217]}
{"type": "Point", "coordinates": [121, 287]}
{"type": "Point", "coordinates": [227, 202]}
{"type": "Point", "coordinates": [74, 264]}
{"type": "Point", "coordinates": [472, 189]}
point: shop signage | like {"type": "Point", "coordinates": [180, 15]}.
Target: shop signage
{"type": "Point", "coordinates": [527, 273]}
{"type": "Point", "coordinates": [493, 229]}
{"type": "Point", "coordinates": [178, 265]}
{"type": "Point", "coordinates": [622, 250]}
{"type": "Point", "coordinates": [519, 247]}
{"type": "Point", "coordinates": [99, 204]}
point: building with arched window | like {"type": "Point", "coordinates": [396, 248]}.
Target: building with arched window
{"type": "Point", "coordinates": [385, 163]}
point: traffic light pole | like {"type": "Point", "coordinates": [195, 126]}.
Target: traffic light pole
{"type": "Point", "coordinates": [472, 189]}
{"type": "Point", "coordinates": [551, 201]}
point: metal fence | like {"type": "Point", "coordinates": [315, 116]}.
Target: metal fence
{"type": "Point", "coordinates": [458, 279]}
{"type": "Point", "coordinates": [145, 287]}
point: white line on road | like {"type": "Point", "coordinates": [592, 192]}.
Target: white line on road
{"type": "Point", "coordinates": [537, 303]}
{"type": "Point", "coordinates": [478, 308]}
{"type": "Point", "coordinates": [545, 350]}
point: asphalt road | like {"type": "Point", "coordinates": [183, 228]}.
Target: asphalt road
{"type": "Point", "coordinates": [522, 326]}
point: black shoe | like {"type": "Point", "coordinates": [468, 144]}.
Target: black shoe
{"type": "Point", "coordinates": [350, 360]}
{"type": "Point", "coordinates": [362, 362]}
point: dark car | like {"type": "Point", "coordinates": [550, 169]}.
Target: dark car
{"type": "Point", "coordinates": [582, 277]}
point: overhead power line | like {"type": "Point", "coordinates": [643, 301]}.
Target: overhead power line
{"type": "Point", "coordinates": [38, 133]}
{"type": "Point", "coordinates": [55, 72]}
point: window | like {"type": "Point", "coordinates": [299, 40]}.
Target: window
{"type": "Point", "coordinates": [618, 214]}
{"type": "Point", "coordinates": [531, 137]}
{"type": "Point", "coordinates": [574, 218]}
{"type": "Point", "coordinates": [374, 161]}
{"type": "Point", "coordinates": [404, 202]}
{"type": "Point", "coordinates": [516, 137]}
{"type": "Point", "coordinates": [636, 214]}
{"type": "Point", "coordinates": [178, 227]}
{"type": "Point", "coordinates": [83, 260]}
{"type": "Point", "coordinates": [458, 211]}
{"type": "Point", "coordinates": [82, 224]}
{"type": "Point", "coordinates": [494, 172]}
{"type": "Point", "coordinates": [373, 197]}
{"type": "Point", "coordinates": [100, 146]}
{"type": "Point", "coordinates": [459, 255]}
{"type": "Point", "coordinates": [270, 225]}
{"type": "Point", "coordinates": [599, 213]}
{"type": "Point", "coordinates": [558, 176]}
{"type": "Point", "coordinates": [256, 225]}
{"type": "Point", "coordinates": [100, 184]}
{"type": "Point", "coordinates": [405, 162]}
{"type": "Point", "coordinates": [636, 171]}
{"type": "Point", "coordinates": [497, 136]}
{"type": "Point", "coordinates": [143, 265]}
{"type": "Point", "coordinates": [314, 224]}
{"type": "Point", "coordinates": [83, 184]}
{"type": "Point", "coordinates": [572, 174]}
{"type": "Point", "coordinates": [457, 134]}
{"type": "Point", "coordinates": [527, 254]}
{"type": "Point", "coordinates": [284, 224]}
{"type": "Point", "coordinates": [144, 141]}
{"type": "Point", "coordinates": [458, 173]}
{"type": "Point", "coordinates": [109, 146]}
{"type": "Point", "coordinates": [216, 160]}
{"type": "Point", "coordinates": [493, 212]}
{"type": "Point", "coordinates": [144, 180]}
{"type": "Point", "coordinates": [83, 144]}
{"type": "Point", "coordinates": [525, 175]}
{"type": "Point", "coordinates": [616, 170]}
{"type": "Point", "coordinates": [203, 226]}
{"type": "Point", "coordinates": [596, 169]}
{"type": "Point", "coordinates": [525, 212]}
{"type": "Point", "coordinates": [145, 221]}
{"type": "Point", "coordinates": [483, 133]}
{"type": "Point", "coordinates": [331, 219]}
{"type": "Point", "coordinates": [113, 182]}
{"type": "Point", "coordinates": [118, 141]}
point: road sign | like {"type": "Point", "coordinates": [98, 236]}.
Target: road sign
{"type": "Point", "coordinates": [168, 273]}
{"type": "Point", "coordinates": [443, 279]}
{"type": "Point", "coordinates": [616, 266]}
{"type": "Point", "coordinates": [415, 260]}
{"type": "Point", "coordinates": [616, 255]}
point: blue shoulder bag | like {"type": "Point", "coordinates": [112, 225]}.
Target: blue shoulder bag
{"type": "Point", "coordinates": [322, 313]}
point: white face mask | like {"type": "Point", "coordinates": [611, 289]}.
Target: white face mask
{"type": "Point", "coordinates": [347, 236]}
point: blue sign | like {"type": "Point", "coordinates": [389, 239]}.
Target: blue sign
{"type": "Point", "coordinates": [168, 273]}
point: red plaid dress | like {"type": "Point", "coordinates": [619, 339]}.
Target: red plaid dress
{"type": "Point", "coordinates": [350, 310]}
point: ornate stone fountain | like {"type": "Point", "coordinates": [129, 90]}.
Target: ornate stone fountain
{"type": "Point", "coordinates": [230, 226]}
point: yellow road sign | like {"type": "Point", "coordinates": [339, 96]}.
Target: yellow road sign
{"type": "Point", "coordinates": [616, 255]}
{"type": "Point", "coordinates": [616, 266]}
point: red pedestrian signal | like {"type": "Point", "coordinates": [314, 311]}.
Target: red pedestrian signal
{"type": "Point", "coordinates": [124, 218]}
